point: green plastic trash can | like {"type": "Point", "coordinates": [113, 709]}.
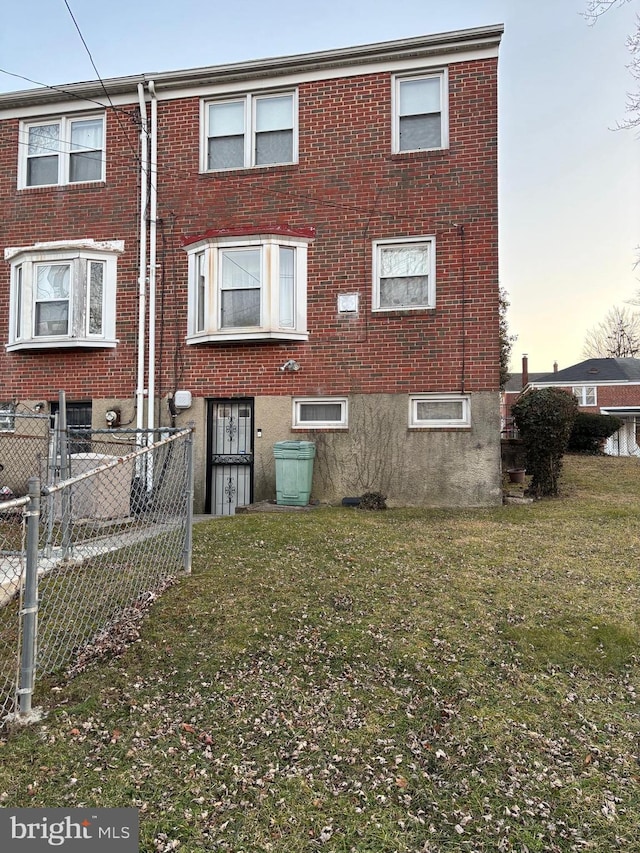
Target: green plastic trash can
{"type": "Point", "coordinates": [294, 471]}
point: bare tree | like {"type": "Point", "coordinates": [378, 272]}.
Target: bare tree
{"type": "Point", "coordinates": [618, 336]}
{"type": "Point", "coordinates": [595, 9]}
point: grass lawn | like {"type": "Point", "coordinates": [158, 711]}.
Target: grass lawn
{"type": "Point", "coordinates": [341, 680]}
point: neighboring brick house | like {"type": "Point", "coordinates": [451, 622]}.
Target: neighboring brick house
{"type": "Point", "coordinates": [608, 386]}
{"type": "Point", "coordinates": [295, 248]}
{"type": "Point", "coordinates": [510, 393]}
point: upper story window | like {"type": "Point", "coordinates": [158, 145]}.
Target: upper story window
{"type": "Point", "coordinates": [251, 130]}
{"type": "Point", "coordinates": [63, 294]}
{"type": "Point", "coordinates": [247, 287]}
{"type": "Point", "coordinates": [420, 114]}
{"type": "Point", "coordinates": [585, 394]}
{"type": "Point", "coordinates": [64, 150]}
{"type": "Point", "coordinates": [436, 411]}
{"type": "Point", "coordinates": [404, 274]}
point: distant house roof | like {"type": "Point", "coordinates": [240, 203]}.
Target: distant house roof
{"type": "Point", "coordinates": [514, 384]}
{"type": "Point", "coordinates": [593, 371]}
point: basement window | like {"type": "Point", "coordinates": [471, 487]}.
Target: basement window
{"type": "Point", "coordinates": [7, 417]}
{"type": "Point", "coordinates": [320, 413]}
{"type": "Point", "coordinates": [437, 411]}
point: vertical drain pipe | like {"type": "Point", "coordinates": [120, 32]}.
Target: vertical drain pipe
{"type": "Point", "coordinates": [153, 245]}
{"type": "Point", "coordinates": [142, 263]}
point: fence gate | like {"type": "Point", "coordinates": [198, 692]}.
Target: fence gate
{"type": "Point", "coordinates": [230, 455]}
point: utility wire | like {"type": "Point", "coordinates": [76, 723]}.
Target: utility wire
{"type": "Point", "coordinates": [65, 92]}
{"type": "Point", "coordinates": [100, 80]}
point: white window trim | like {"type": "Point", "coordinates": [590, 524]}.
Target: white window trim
{"type": "Point", "coordinates": [7, 415]}
{"type": "Point", "coordinates": [270, 327]}
{"type": "Point", "coordinates": [404, 241]}
{"type": "Point", "coordinates": [463, 423]}
{"type": "Point", "coordinates": [249, 99]}
{"type": "Point", "coordinates": [77, 253]}
{"type": "Point", "coordinates": [580, 392]}
{"type": "Point", "coordinates": [443, 76]}
{"type": "Point", "coordinates": [65, 149]}
{"type": "Point", "coordinates": [343, 423]}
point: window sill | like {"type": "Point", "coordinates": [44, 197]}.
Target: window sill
{"type": "Point", "coordinates": [434, 428]}
{"type": "Point", "coordinates": [66, 343]}
{"type": "Point", "coordinates": [420, 154]}
{"type": "Point", "coordinates": [249, 170]}
{"type": "Point", "coordinates": [257, 335]}
{"type": "Point", "coordinates": [73, 186]}
{"type": "Point", "coordinates": [404, 309]}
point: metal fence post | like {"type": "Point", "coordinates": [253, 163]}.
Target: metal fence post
{"type": "Point", "coordinates": [30, 600]}
{"type": "Point", "coordinates": [65, 471]}
{"type": "Point", "coordinates": [188, 533]}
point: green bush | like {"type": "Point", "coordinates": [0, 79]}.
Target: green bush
{"type": "Point", "coordinates": [545, 419]}
{"type": "Point", "coordinates": [590, 431]}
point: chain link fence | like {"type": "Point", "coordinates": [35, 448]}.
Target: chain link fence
{"type": "Point", "coordinates": [24, 442]}
{"type": "Point", "coordinates": [113, 530]}
{"type": "Point", "coordinates": [12, 559]}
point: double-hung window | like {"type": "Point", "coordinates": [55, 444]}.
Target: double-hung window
{"type": "Point", "coordinates": [247, 287]}
{"type": "Point", "coordinates": [404, 274]}
{"type": "Point", "coordinates": [420, 113]}
{"type": "Point", "coordinates": [64, 150]}
{"type": "Point", "coordinates": [438, 411]}
{"type": "Point", "coordinates": [320, 413]}
{"type": "Point", "coordinates": [585, 394]}
{"type": "Point", "coordinates": [63, 294]}
{"type": "Point", "coordinates": [251, 130]}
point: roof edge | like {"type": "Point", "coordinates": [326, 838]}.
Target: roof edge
{"type": "Point", "coordinates": [426, 45]}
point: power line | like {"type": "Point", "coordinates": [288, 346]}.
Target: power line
{"type": "Point", "coordinates": [64, 92]}
{"type": "Point", "coordinates": [100, 80]}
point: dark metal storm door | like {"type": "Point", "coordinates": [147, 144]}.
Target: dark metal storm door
{"type": "Point", "coordinates": [230, 465]}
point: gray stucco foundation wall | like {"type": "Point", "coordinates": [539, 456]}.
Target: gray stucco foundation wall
{"type": "Point", "coordinates": [412, 467]}
{"type": "Point", "coordinates": [378, 452]}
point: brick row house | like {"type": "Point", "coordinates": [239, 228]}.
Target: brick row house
{"type": "Point", "coordinates": [303, 247]}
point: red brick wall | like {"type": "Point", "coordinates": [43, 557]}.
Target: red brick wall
{"type": "Point", "coordinates": [347, 185]}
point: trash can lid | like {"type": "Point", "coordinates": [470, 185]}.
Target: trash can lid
{"type": "Point", "coordinates": [294, 445]}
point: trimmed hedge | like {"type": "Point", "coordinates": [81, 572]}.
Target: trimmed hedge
{"type": "Point", "coordinates": [545, 418]}
{"type": "Point", "coordinates": [590, 431]}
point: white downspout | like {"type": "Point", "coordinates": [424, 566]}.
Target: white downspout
{"type": "Point", "coordinates": [153, 245]}
{"type": "Point", "coordinates": [142, 263]}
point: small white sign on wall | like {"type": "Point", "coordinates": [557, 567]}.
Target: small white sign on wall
{"type": "Point", "coordinates": [348, 303]}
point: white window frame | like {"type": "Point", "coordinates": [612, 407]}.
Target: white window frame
{"type": "Point", "coordinates": [7, 416]}
{"type": "Point", "coordinates": [464, 422]}
{"type": "Point", "coordinates": [79, 256]}
{"type": "Point", "coordinates": [443, 77]}
{"type": "Point", "coordinates": [249, 102]}
{"type": "Point", "coordinates": [584, 392]}
{"type": "Point", "coordinates": [205, 323]}
{"type": "Point", "coordinates": [64, 151]}
{"type": "Point", "coordinates": [402, 242]}
{"type": "Point", "coordinates": [300, 402]}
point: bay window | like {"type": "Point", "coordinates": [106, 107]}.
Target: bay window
{"type": "Point", "coordinates": [248, 287]}
{"type": "Point", "coordinates": [63, 294]}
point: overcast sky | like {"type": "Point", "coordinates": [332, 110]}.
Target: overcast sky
{"type": "Point", "coordinates": [569, 182]}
